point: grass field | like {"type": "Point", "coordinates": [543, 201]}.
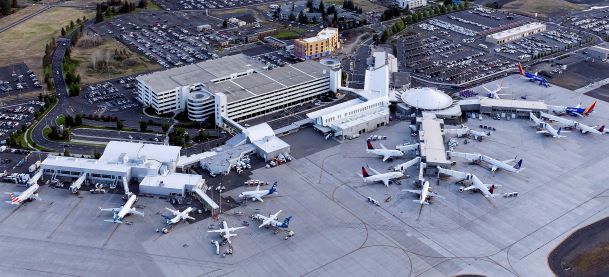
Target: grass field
{"type": "Point", "coordinates": [366, 5]}
{"type": "Point", "coordinates": [134, 64]}
{"type": "Point", "coordinates": [290, 33]}
{"type": "Point", "coordinates": [26, 41]}
{"type": "Point", "coordinates": [542, 8]}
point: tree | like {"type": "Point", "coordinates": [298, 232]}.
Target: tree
{"type": "Point", "coordinates": [15, 4]}
{"type": "Point", "coordinates": [69, 120]}
{"type": "Point", "coordinates": [310, 4]}
{"type": "Point", "coordinates": [63, 32]}
{"type": "Point", "coordinates": [143, 126]}
{"type": "Point", "coordinates": [322, 10]}
{"type": "Point", "coordinates": [66, 152]}
{"type": "Point", "coordinates": [5, 7]}
{"type": "Point", "coordinates": [202, 135]}
{"type": "Point", "coordinates": [225, 24]}
{"type": "Point", "coordinates": [302, 19]}
{"type": "Point", "coordinates": [119, 124]}
{"type": "Point", "coordinates": [78, 120]}
{"type": "Point", "coordinates": [96, 154]}
{"type": "Point", "coordinates": [142, 4]}
{"type": "Point", "coordinates": [99, 17]}
{"type": "Point", "coordinates": [165, 127]}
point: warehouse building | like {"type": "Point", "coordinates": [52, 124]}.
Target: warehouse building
{"type": "Point", "coordinates": [324, 44]}
{"type": "Point", "coordinates": [517, 33]}
{"type": "Point", "coordinates": [411, 4]}
{"type": "Point", "coordinates": [235, 87]}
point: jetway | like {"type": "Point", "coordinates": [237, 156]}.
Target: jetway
{"type": "Point", "coordinates": [205, 199]}
{"type": "Point", "coordinates": [35, 178]}
{"type": "Point", "coordinates": [75, 187]}
{"type": "Point", "coordinates": [126, 186]}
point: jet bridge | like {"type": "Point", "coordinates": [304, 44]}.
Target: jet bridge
{"type": "Point", "coordinates": [35, 178]}
{"type": "Point", "coordinates": [75, 187]}
{"type": "Point", "coordinates": [209, 203]}
{"type": "Point", "coordinates": [126, 186]}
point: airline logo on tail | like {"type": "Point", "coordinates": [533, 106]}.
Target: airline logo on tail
{"type": "Point", "coordinates": [273, 189]}
{"type": "Point", "coordinates": [559, 129]}
{"type": "Point", "coordinates": [518, 165]}
{"type": "Point", "coordinates": [589, 109]}
{"type": "Point", "coordinates": [285, 222]}
{"type": "Point", "coordinates": [14, 199]}
{"type": "Point", "coordinates": [491, 189]}
{"type": "Point", "coordinates": [370, 147]}
{"type": "Point", "coordinates": [364, 172]}
{"type": "Point", "coordinates": [602, 129]}
{"type": "Point", "coordinates": [520, 69]}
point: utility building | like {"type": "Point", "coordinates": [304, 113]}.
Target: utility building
{"type": "Point", "coordinates": [517, 33]}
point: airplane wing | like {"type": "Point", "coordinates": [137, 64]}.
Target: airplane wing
{"type": "Point", "coordinates": [382, 146]}
{"type": "Point", "coordinates": [216, 231]}
{"type": "Point", "coordinates": [189, 217]}
{"type": "Point", "coordinates": [436, 195]}
{"type": "Point", "coordinates": [413, 191]}
{"type": "Point", "coordinates": [258, 198]}
{"type": "Point", "coordinates": [114, 210]}
{"type": "Point", "coordinates": [232, 229]}
{"type": "Point", "coordinates": [385, 182]}
{"type": "Point", "coordinates": [174, 212]}
{"type": "Point", "coordinates": [386, 157]}
{"type": "Point", "coordinates": [266, 221]}
{"type": "Point", "coordinates": [374, 170]}
{"type": "Point", "coordinates": [469, 188]}
{"type": "Point", "coordinates": [133, 211]}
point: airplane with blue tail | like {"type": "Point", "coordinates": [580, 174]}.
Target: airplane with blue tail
{"type": "Point", "coordinates": [573, 111]}
{"type": "Point", "coordinates": [258, 194]}
{"type": "Point", "coordinates": [271, 220]}
{"type": "Point", "coordinates": [533, 77]}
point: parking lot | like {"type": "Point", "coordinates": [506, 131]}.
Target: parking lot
{"type": "Point", "coordinates": [595, 21]}
{"type": "Point", "coordinates": [170, 39]}
{"type": "Point", "coordinates": [452, 48]}
{"type": "Point", "coordinates": [13, 117]}
{"type": "Point", "coordinates": [207, 4]}
{"type": "Point", "coordinates": [113, 95]}
{"type": "Point", "coordinates": [17, 78]}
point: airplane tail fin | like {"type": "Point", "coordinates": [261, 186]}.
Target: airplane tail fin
{"type": "Point", "coordinates": [590, 109]}
{"type": "Point", "coordinates": [559, 129]}
{"type": "Point", "coordinates": [518, 165]}
{"type": "Point", "coordinates": [365, 172]}
{"type": "Point", "coordinates": [273, 188]}
{"type": "Point", "coordinates": [286, 222]}
{"type": "Point", "coordinates": [602, 129]}
{"type": "Point", "coordinates": [491, 189]}
{"type": "Point", "coordinates": [520, 70]}
{"type": "Point", "coordinates": [370, 147]}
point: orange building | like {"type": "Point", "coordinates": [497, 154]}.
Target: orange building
{"type": "Point", "coordinates": [318, 46]}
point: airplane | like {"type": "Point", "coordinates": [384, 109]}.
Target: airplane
{"type": "Point", "coordinates": [567, 123]}
{"type": "Point", "coordinates": [466, 131]}
{"type": "Point", "coordinates": [424, 193]}
{"type": "Point", "coordinates": [178, 216]}
{"type": "Point", "coordinates": [271, 220]}
{"type": "Point", "coordinates": [494, 94]}
{"type": "Point", "coordinates": [407, 147]}
{"type": "Point", "coordinates": [495, 164]}
{"type": "Point", "coordinates": [225, 231]}
{"type": "Point", "coordinates": [385, 178]}
{"type": "Point", "coordinates": [258, 194]}
{"type": "Point", "coordinates": [573, 111]}
{"type": "Point", "coordinates": [386, 153]}
{"type": "Point", "coordinates": [17, 198]}
{"type": "Point", "coordinates": [533, 77]}
{"type": "Point", "coordinates": [124, 210]}
{"type": "Point", "coordinates": [549, 130]}
{"type": "Point", "coordinates": [477, 185]}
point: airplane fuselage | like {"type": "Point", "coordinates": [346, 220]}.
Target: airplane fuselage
{"type": "Point", "coordinates": [25, 195]}
{"type": "Point", "coordinates": [126, 209]}
{"type": "Point", "coordinates": [389, 153]}
{"type": "Point", "coordinates": [382, 177]}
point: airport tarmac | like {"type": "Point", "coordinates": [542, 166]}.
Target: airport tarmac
{"type": "Point", "coordinates": [337, 231]}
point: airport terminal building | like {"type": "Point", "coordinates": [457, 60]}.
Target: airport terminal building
{"type": "Point", "coordinates": [236, 87]}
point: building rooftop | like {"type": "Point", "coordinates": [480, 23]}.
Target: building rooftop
{"type": "Point", "coordinates": [334, 108]}
{"type": "Point", "coordinates": [427, 98]}
{"type": "Point", "coordinates": [264, 81]}
{"type": "Point", "coordinates": [517, 30]}
{"type": "Point", "coordinates": [432, 141]}
{"type": "Point", "coordinates": [173, 180]}
{"type": "Point", "coordinates": [513, 103]}
{"type": "Point", "coordinates": [322, 35]}
{"type": "Point", "coordinates": [202, 72]}
{"type": "Point", "coordinates": [119, 151]}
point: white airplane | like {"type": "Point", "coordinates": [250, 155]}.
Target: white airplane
{"type": "Point", "coordinates": [386, 153]}
{"type": "Point", "coordinates": [494, 164]}
{"type": "Point", "coordinates": [477, 185]}
{"type": "Point", "coordinates": [568, 123]}
{"type": "Point", "coordinates": [466, 131]}
{"type": "Point", "coordinates": [17, 198]}
{"type": "Point", "coordinates": [385, 178]}
{"type": "Point", "coordinates": [424, 194]}
{"type": "Point", "coordinates": [402, 167]}
{"type": "Point", "coordinates": [494, 94]}
{"type": "Point", "coordinates": [407, 147]}
{"type": "Point", "coordinates": [549, 130]}
{"type": "Point", "coordinates": [271, 220]}
{"type": "Point", "coordinates": [124, 210]}
{"type": "Point", "coordinates": [178, 216]}
{"type": "Point", "coordinates": [257, 194]}
{"type": "Point", "coordinates": [225, 231]}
